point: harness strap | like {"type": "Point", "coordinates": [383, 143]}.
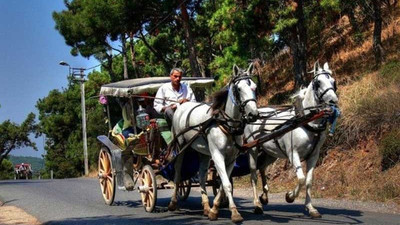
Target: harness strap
{"type": "Point", "coordinates": [280, 148]}
{"type": "Point", "coordinates": [317, 138]}
{"type": "Point", "coordinates": [317, 130]}
{"type": "Point", "coordinates": [190, 113]}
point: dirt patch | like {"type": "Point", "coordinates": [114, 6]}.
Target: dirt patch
{"type": "Point", "coordinates": [13, 215]}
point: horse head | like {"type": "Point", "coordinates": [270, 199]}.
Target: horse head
{"type": "Point", "coordinates": [324, 85]}
{"type": "Point", "coordinates": [242, 92]}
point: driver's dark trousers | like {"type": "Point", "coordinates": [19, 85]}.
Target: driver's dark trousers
{"type": "Point", "coordinates": [169, 114]}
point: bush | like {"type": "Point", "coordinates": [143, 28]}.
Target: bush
{"type": "Point", "coordinates": [6, 170]}
{"type": "Point", "coordinates": [389, 149]}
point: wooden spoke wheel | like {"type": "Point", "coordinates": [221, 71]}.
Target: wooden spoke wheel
{"type": "Point", "coordinates": [148, 188]}
{"type": "Point", "coordinates": [106, 176]}
{"type": "Point", "coordinates": [184, 189]}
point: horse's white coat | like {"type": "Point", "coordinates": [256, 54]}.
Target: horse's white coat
{"type": "Point", "coordinates": [297, 144]}
{"type": "Point", "coordinates": [216, 144]}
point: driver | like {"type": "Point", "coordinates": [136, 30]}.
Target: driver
{"type": "Point", "coordinates": [176, 91]}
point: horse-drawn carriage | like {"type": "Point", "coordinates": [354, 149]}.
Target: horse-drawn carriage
{"type": "Point", "coordinates": [148, 141]}
{"type": "Point", "coordinates": [23, 171]}
{"type": "Point", "coordinates": [215, 131]}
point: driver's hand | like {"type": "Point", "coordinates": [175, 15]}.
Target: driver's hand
{"type": "Point", "coordinates": [183, 101]}
{"type": "Point", "coordinates": [173, 106]}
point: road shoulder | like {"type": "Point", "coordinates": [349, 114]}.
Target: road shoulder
{"type": "Point", "coordinates": [14, 215]}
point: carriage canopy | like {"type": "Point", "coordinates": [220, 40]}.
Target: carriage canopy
{"type": "Point", "coordinates": [150, 85]}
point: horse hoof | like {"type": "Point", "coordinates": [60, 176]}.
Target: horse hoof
{"type": "Point", "coordinates": [212, 216]}
{"type": "Point", "coordinates": [237, 218]}
{"type": "Point", "coordinates": [288, 198]}
{"type": "Point", "coordinates": [264, 199]}
{"type": "Point", "coordinates": [206, 212]}
{"type": "Point", "coordinates": [258, 210]}
{"type": "Point", "coordinates": [315, 214]}
{"type": "Point", "coordinates": [172, 206]}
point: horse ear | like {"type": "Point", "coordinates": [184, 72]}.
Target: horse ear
{"type": "Point", "coordinates": [250, 69]}
{"type": "Point", "coordinates": [316, 67]}
{"type": "Point", "coordinates": [235, 70]}
{"type": "Point", "coordinates": [326, 66]}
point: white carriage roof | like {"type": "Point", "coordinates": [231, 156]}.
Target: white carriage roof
{"type": "Point", "coordinates": [150, 85]}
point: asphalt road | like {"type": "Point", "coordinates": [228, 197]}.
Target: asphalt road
{"type": "Point", "coordinates": [79, 201]}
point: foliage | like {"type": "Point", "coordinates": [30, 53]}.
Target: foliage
{"type": "Point", "coordinates": [389, 149]}
{"type": "Point", "coordinates": [61, 122]}
{"type": "Point", "coordinates": [6, 170]}
{"type": "Point", "coordinates": [16, 136]}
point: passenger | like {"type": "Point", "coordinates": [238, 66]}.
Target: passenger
{"type": "Point", "coordinates": [176, 91]}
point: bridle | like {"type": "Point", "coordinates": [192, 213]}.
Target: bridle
{"type": "Point", "coordinates": [316, 86]}
{"type": "Point", "coordinates": [234, 94]}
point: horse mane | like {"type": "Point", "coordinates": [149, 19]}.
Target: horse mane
{"type": "Point", "coordinates": [219, 98]}
{"type": "Point", "coordinates": [299, 95]}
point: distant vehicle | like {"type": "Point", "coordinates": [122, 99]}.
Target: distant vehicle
{"type": "Point", "coordinates": [23, 171]}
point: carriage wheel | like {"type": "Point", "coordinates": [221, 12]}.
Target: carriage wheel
{"type": "Point", "coordinates": [106, 176]}
{"type": "Point", "coordinates": [148, 188]}
{"type": "Point", "coordinates": [184, 189]}
{"type": "Point", "coordinates": [216, 181]}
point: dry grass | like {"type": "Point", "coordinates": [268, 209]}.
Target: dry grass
{"type": "Point", "coordinates": [371, 105]}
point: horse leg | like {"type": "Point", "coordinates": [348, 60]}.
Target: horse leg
{"type": "Point", "coordinates": [227, 188]}
{"type": "Point", "coordinates": [311, 162]}
{"type": "Point", "coordinates": [204, 165]}
{"type": "Point", "coordinates": [292, 195]}
{"type": "Point", "coordinates": [235, 217]}
{"type": "Point", "coordinates": [253, 153]}
{"type": "Point", "coordinates": [264, 196]}
{"type": "Point", "coordinates": [177, 179]}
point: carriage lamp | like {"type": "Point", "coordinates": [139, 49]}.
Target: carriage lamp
{"type": "Point", "coordinates": [78, 75]}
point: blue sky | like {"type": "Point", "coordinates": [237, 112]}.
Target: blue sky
{"type": "Point", "coordinates": [30, 50]}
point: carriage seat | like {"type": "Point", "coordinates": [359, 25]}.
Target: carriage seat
{"type": "Point", "coordinates": [121, 140]}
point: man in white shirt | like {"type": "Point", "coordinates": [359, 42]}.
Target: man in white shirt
{"type": "Point", "coordinates": [176, 91]}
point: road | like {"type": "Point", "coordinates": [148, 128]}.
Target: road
{"type": "Point", "coordinates": [79, 201]}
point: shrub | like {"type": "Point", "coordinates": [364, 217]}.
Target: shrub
{"type": "Point", "coordinates": [389, 149]}
{"type": "Point", "coordinates": [6, 170]}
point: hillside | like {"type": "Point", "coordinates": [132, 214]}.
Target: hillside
{"type": "Point", "coordinates": [361, 161]}
{"type": "Point", "coordinates": [37, 163]}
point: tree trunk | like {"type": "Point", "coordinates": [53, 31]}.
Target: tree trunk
{"type": "Point", "coordinates": [377, 40]}
{"type": "Point", "coordinates": [154, 51]}
{"type": "Point", "coordinates": [4, 155]}
{"type": "Point", "coordinates": [133, 57]}
{"type": "Point", "coordinates": [189, 41]}
{"type": "Point", "coordinates": [108, 66]}
{"type": "Point", "coordinates": [123, 49]}
{"type": "Point", "coordinates": [298, 46]}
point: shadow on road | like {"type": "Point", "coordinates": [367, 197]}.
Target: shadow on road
{"type": "Point", "coordinates": [190, 212]}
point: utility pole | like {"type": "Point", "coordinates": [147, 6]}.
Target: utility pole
{"type": "Point", "coordinates": [83, 107]}
{"type": "Point", "coordinates": [81, 78]}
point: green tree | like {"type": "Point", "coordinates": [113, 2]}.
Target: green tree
{"type": "Point", "coordinates": [6, 170]}
{"type": "Point", "coordinates": [60, 120]}
{"type": "Point", "coordinates": [15, 136]}
{"type": "Point", "coordinates": [98, 27]}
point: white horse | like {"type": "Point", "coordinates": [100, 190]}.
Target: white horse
{"type": "Point", "coordinates": [301, 143]}
{"type": "Point", "coordinates": [232, 106]}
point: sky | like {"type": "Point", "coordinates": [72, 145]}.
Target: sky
{"type": "Point", "coordinates": [30, 51]}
